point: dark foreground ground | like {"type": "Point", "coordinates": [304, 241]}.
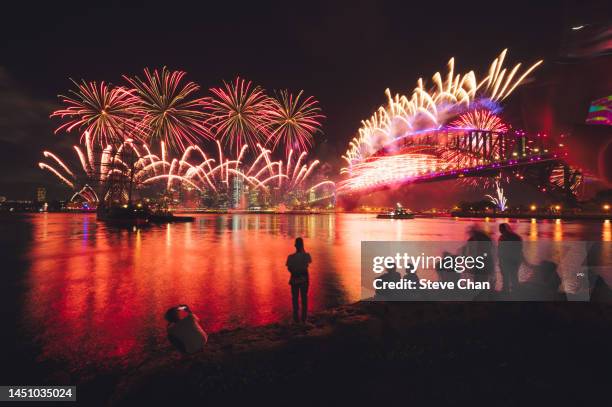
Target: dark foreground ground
{"type": "Point", "coordinates": [502, 354]}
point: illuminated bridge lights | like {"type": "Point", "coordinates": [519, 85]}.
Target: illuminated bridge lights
{"type": "Point", "coordinates": [387, 171]}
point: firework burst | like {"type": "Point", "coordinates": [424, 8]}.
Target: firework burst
{"type": "Point", "coordinates": [107, 113]}
{"type": "Point", "coordinates": [294, 120]}
{"type": "Point", "coordinates": [482, 119]}
{"type": "Point", "coordinates": [168, 111]}
{"type": "Point", "coordinates": [237, 114]}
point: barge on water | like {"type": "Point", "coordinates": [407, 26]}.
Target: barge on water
{"type": "Point", "coordinates": [398, 213]}
{"type": "Point", "coordinates": [136, 215]}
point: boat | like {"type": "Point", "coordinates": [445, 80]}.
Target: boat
{"type": "Point", "coordinates": [123, 215]}
{"type": "Point", "coordinates": [398, 213]}
{"type": "Point", "coordinates": [137, 215]}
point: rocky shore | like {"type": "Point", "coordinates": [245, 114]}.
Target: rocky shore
{"type": "Point", "coordinates": [397, 353]}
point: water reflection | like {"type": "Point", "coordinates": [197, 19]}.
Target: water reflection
{"type": "Point", "coordinates": [558, 232]}
{"type": "Point", "coordinates": [95, 295]}
{"type": "Point", "coordinates": [533, 230]}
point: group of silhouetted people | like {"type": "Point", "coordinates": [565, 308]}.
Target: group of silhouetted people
{"type": "Point", "coordinates": [510, 256]}
{"type": "Point", "coordinates": [543, 285]}
{"type": "Point", "coordinates": [545, 282]}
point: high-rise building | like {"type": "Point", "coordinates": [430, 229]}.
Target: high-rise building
{"type": "Point", "coordinates": [41, 194]}
{"type": "Point", "coordinates": [254, 198]}
{"type": "Point", "coordinates": [237, 191]}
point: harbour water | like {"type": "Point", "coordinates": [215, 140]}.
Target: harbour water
{"type": "Point", "coordinates": [83, 294]}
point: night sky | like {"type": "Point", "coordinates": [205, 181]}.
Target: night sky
{"type": "Point", "coordinates": [343, 53]}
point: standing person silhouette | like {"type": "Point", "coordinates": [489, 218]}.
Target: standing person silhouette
{"type": "Point", "coordinates": [510, 254]}
{"type": "Point", "coordinates": [479, 243]}
{"type": "Point", "coordinates": [297, 264]}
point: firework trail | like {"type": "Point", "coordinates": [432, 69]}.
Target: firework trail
{"type": "Point", "coordinates": [576, 178]}
{"type": "Point", "coordinates": [237, 114]}
{"type": "Point", "coordinates": [395, 169]}
{"type": "Point", "coordinates": [108, 168]}
{"type": "Point", "coordinates": [293, 121]}
{"type": "Point", "coordinates": [63, 171]}
{"type": "Point", "coordinates": [497, 85]}
{"type": "Point", "coordinates": [167, 110]}
{"type": "Point", "coordinates": [107, 113]}
{"type": "Point", "coordinates": [98, 169]}
{"type": "Point", "coordinates": [196, 169]}
{"type": "Point", "coordinates": [500, 200]}
{"type": "Point", "coordinates": [452, 95]}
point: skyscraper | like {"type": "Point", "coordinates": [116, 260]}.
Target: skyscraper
{"type": "Point", "coordinates": [237, 189]}
{"type": "Point", "coordinates": [41, 194]}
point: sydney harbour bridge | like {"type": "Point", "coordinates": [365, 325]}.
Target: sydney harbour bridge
{"type": "Point", "coordinates": [467, 155]}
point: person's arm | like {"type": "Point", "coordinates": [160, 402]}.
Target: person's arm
{"type": "Point", "coordinates": [176, 342]}
{"type": "Point", "coordinates": [200, 329]}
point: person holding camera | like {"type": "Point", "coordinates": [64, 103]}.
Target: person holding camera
{"type": "Point", "coordinates": [184, 330]}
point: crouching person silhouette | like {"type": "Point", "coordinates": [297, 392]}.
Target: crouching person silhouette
{"type": "Point", "coordinates": [184, 330]}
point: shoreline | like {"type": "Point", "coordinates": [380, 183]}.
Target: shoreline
{"type": "Point", "coordinates": [417, 215]}
{"type": "Point", "coordinates": [423, 337]}
{"type": "Point", "coordinates": [598, 217]}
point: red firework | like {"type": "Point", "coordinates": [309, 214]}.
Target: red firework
{"type": "Point", "coordinates": [107, 113]}
{"type": "Point", "coordinates": [294, 120]}
{"type": "Point", "coordinates": [238, 113]}
{"type": "Point", "coordinates": [480, 120]}
{"type": "Point", "coordinates": [167, 109]}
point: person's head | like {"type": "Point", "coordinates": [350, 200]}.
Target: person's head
{"type": "Point", "coordinates": [504, 228]}
{"type": "Point", "coordinates": [391, 268]}
{"type": "Point", "coordinates": [172, 315]}
{"type": "Point", "coordinates": [299, 244]}
{"type": "Point", "coordinates": [475, 231]}
{"type": "Point", "coordinates": [175, 314]}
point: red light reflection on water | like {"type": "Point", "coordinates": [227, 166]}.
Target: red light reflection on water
{"type": "Point", "coordinates": [96, 296]}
